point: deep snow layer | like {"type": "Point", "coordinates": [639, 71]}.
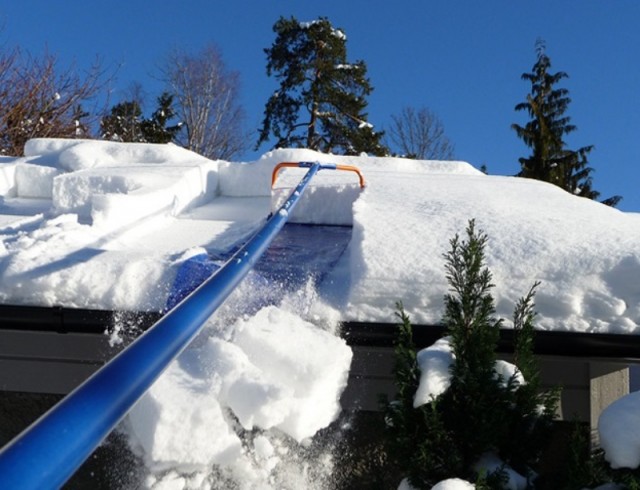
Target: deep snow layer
{"type": "Point", "coordinates": [586, 255]}
{"type": "Point", "coordinates": [95, 244]}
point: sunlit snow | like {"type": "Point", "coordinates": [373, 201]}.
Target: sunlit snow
{"type": "Point", "coordinates": [104, 225]}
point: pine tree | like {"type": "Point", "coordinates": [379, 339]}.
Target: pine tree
{"type": "Point", "coordinates": [321, 100]}
{"type": "Point", "coordinates": [123, 123]}
{"type": "Point", "coordinates": [479, 412]}
{"type": "Point", "coordinates": [156, 129]}
{"type": "Point", "coordinates": [126, 124]}
{"type": "Point", "coordinates": [545, 134]}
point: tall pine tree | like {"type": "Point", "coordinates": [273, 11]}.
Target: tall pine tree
{"type": "Point", "coordinates": [321, 100]}
{"type": "Point", "coordinates": [545, 134]}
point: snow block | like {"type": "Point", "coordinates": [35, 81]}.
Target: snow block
{"type": "Point", "coordinates": [312, 363]}
{"type": "Point", "coordinates": [117, 196]}
{"type": "Point", "coordinates": [183, 399]}
{"type": "Point", "coordinates": [73, 155]}
{"type": "Point", "coordinates": [321, 205]}
{"type": "Point", "coordinates": [7, 179]}
{"type": "Point", "coordinates": [35, 181]}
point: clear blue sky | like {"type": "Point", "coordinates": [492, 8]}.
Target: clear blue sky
{"type": "Point", "coordinates": [461, 58]}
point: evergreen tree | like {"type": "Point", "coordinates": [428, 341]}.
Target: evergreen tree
{"type": "Point", "coordinates": [126, 124]}
{"type": "Point", "coordinates": [156, 129]}
{"type": "Point", "coordinates": [545, 134]}
{"type": "Point", "coordinates": [321, 100]}
{"type": "Point", "coordinates": [480, 412]}
{"type": "Point", "coordinates": [123, 123]}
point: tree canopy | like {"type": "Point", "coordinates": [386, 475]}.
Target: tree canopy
{"type": "Point", "coordinates": [546, 131]}
{"type": "Point", "coordinates": [419, 133]}
{"type": "Point", "coordinates": [126, 124]}
{"type": "Point", "coordinates": [206, 96]}
{"type": "Point", "coordinates": [321, 101]}
{"type": "Point", "coordinates": [39, 99]}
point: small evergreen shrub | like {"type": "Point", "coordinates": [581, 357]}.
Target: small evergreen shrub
{"type": "Point", "coordinates": [588, 468]}
{"type": "Point", "coordinates": [480, 413]}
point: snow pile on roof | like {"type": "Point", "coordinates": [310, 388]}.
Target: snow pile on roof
{"type": "Point", "coordinates": [114, 183]}
{"type": "Point", "coordinates": [99, 200]}
{"type": "Point", "coordinates": [586, 255]}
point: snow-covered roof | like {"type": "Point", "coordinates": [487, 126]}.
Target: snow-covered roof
{"type": "Point", "coordinates": [106, 225]}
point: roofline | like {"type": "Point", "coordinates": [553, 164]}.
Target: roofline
{"type": "Point", "coordinates": [364, 334]}
{"type": "Point", "coordinates": [551, 343]}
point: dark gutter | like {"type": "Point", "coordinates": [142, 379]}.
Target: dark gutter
{"type": "Point", "coordinates": [365, 334]}
{"type": "Point", "coordinates": [69, 320]}
{"type": "Point", "coordinates": [570, 344]}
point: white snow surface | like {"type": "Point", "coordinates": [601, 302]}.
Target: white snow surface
{"type": "Point", "coordinates": [449, 484]}
{"type": "Point", "coordinates": [454, 484]}
{"type": "Point", "coordinates": [619, 429]}
{"type": "Point", "coordinates": [104, 225]}
{"type": "Point", "coordinates": [586, 255]}
{"type": "Point", "coordinates": [278, 372]}
{"type": "Point", "coordinates": [435, 371]}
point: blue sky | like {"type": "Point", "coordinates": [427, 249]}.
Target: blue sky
{"type": "Point", "coordinates": [460, 58]}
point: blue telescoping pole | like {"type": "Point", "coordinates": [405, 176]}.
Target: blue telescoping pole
{"type": "Point", "coordinates": [48, 453]}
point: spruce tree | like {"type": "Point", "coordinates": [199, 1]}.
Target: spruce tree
{"type": "Point", "coordinates": [321, 101]}
{"type": "Point", "coordinates": [551, 160]}
{"type": "Point", "coordinates": [479, 412]}
{"type": "Point", "coordinates": [156, 129]}
{"type": "Point", "coordinates": [126, 124]}
{"type": "Point", "coordinates": [123, 123]}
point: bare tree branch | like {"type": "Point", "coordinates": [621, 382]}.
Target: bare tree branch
{"type": "Point", "coordinates": [39, 100]}
{"type": "Point", "coordinates": [419, 134]}
{"type": "Point", "coordinates": [206, 93]}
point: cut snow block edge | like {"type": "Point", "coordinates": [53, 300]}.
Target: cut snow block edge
{"type": "Point", "coordinates": [321, 205]}
{"type": "Point", "coordinates": [126, 195]}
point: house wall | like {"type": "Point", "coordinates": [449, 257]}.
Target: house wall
{"type": "Point", "coordinates": [47, 362]}
{"type": "Point", "coordinates": [588, 385]}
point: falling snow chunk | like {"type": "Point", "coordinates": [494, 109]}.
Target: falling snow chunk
{"type": "Point", "coordinates": [279, 372]}
{"type": "Point", "coordinates": [313, 363]}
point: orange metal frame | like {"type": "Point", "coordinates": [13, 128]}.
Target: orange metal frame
{"type": "Point", "coordinates": [348, 168]}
